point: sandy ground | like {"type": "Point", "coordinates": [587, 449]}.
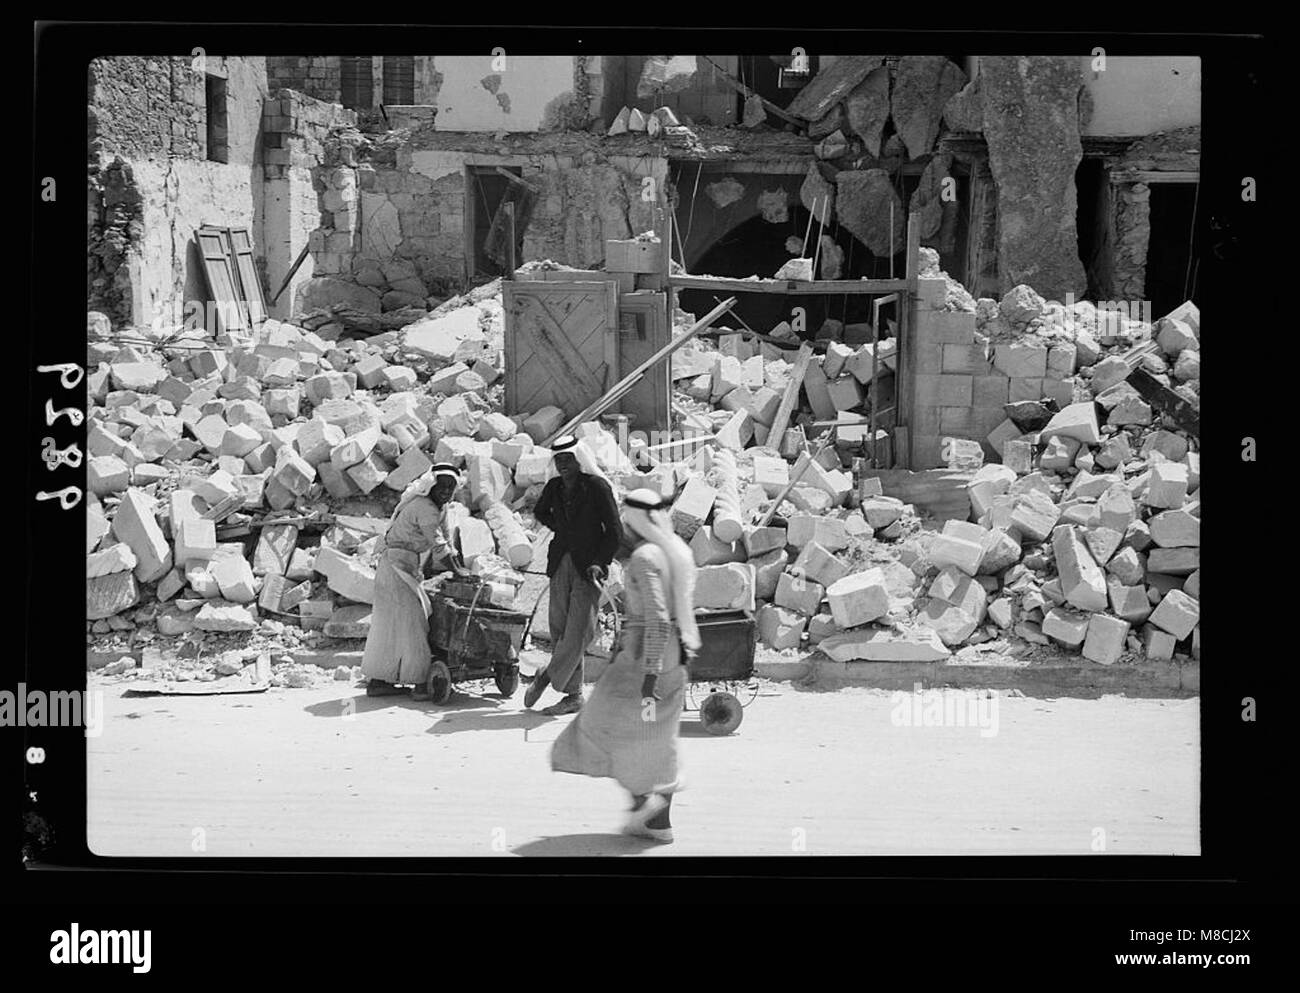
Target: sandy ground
{"type": "Point", "coordinates": [326, 771]}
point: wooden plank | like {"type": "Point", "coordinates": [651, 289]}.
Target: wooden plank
{"type": "Point", "coordinates": [913, 246]}
{"type": "Point", "coordinates": [250, 281]}
{"type": "Point", "coordinates": [782, 419]}
{"type": "Point", "coordinates": [535, 333]}
{"type": "Point", "coordinates": [1166, 401]}
{"type": "Point", "coordinates": [220, 276]}
{"type": "Point", "coordinates": [821, 286]}
{"type": "Point", "coordinates": [605, 402]}
{"type": "Point", "coordinates": [1153, 176]}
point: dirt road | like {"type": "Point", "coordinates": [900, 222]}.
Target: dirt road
{"type": "Point", "coordinates": [326, 771]}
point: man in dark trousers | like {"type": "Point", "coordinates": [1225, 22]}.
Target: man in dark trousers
{"type": "Point", "coordinates": [579, 507]}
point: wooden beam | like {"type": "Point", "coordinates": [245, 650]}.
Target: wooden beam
{"type": "Point", "coordinates": [616, 392]}
{"type": "Point", "coordinates": [787, 286]}
{"type": "Point", "coordinates": [913, 246]}
{"type": "Point", "coordinates": [1152, 176]}
{"type": "Point", "coordinates": [746, 92]}
{"type": "Point", "coordinates": [791, 397]}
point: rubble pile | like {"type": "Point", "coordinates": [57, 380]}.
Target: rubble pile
{"type": "Point", "coordinates": [260, 436]}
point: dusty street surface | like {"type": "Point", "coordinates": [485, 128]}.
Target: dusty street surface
{"type": "Point", "coordinates": [290, 772]}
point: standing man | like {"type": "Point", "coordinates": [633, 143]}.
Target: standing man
{"type": "Point", "coordinates": [578, 505]}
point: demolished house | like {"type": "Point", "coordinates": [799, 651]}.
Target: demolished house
{"type": "Point", "coordinates": [310, 278]}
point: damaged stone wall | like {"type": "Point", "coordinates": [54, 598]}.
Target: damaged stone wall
{"type": "Point", "coordinates": [318, 76]}
{"type": "Point", "coordinates": [150, 185]}
{"type": "Point", "coordinates": [408, 245]}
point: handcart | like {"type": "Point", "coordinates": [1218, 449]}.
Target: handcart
{"type": "Point", "coordinates": [471, 639]}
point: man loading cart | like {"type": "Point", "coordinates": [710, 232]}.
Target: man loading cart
{"type": "Point", "coordinates": [578, 506]}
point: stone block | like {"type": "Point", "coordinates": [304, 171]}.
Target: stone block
{"type": "Point", "coordinates": [196, 540]}
{"type": "Point", "coordinates": [1077, 421]}
{"type": "Point", "coordinates": [1105, 639]}
{"type": "Point", "coordinates": [1167, 487]}
{"type": "Point", "coordinates": [956, 548]}
{"type": "Point", "coordinates": [858, 598]}
{"type": "Point", "coordinates": [820, 565]}
{"type": "Point", "coordinates": [274, 550]}
{"type": "Point", "coordinates": [1069, 627]}
{"type": "Point", "coordinates": [317, 439]}
{"type": "Point", "coordinates": [829, 532]}
{"type": "Point", "coordinates": [710, 550]}
{"type": "Point", "coordinates": [772, 474]}
{"type": "Point", "coordinates": [1003, 433]}
{"type": "Point", "coordinates": [779, 628]}
{"type": "Point", "coordinates": [692, 506]}
{"type": "Point", "coordinates": [799, 594]}
{"type": "Point", "coordinates": [110, 594]}
{"type": "Point", "coordinates": [768, 569]}
{"type": "Point", "coordinates": [292, 472]}
{"type": "Point", "coordinates": [135, 524]}
{"type": "Point", "coordinates": [1021, 360]}
{"type": "Point", "coordinates": [347, 576]}
{"type": "Point", "coordinates": [221, 616]}
{"type": "Point", "coordinates": [368, 473]}
{"type": "Point", "coordinates": [1128, 602]}
{"type": "Point", "coordinates": [1033, 516]}
{"type": "Point", "coordinates": [1082, 581]}
{"type": "Point", "coordinates": [875, 645]}
{"type": "Point", "coordinates": [725, 587]}
{"type": "Point", "coordinates": [234, 577]}
{"type": "Point", "coordinates": [411, 464]}
{"type": "Point", "coordinates": [999, 550]}
{"type": "Point", "coordinates": [1177, 613]}
{"type": "Point", "coordinates": [761, 541]}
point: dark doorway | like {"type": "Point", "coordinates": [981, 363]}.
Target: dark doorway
{"type": "Point", "coordinates": [1092, 223]}
{"type": "Point", "coordinates": [357, 82]}
{"type": "Point", "coordinates": [1170, 249]}
{"type": "Point", "coordinates": [484, 192]}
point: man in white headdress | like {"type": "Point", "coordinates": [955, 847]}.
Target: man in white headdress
{"type": "Point", "coordinates": [579, 506]}
{"type": "Point", "coordinates": [397, 647]}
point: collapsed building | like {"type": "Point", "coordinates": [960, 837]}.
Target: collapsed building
{"type": "Point", "coordinates": [221, 448]}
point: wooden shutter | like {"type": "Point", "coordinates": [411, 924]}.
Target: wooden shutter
{"type": "Point", "coordinates": [245, 267]}
{"type": "Point", "coordinates": [223, 287]}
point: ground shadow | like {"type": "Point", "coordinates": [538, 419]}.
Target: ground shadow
{"type": "Point", "coordinates": [362, 704]}
{"type": "Point", "coordinates": [571, 845]}
{"type": "Point", "coordinates": [692, 728]}
{"type": "Point", "coordinates": [491, 721]}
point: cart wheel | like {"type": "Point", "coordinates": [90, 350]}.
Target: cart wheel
{"type": "Point", "coordinates": [721, 713]}
{"type": "Point", "coordinates": [507, 680]}
{"type": "Point", "coordinates": [439, 682]}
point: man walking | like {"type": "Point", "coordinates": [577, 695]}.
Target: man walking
{"type": "Point", "coordinates": [578, 506]}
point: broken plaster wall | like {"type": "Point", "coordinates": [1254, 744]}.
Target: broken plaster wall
{"type": "Point", "coordinates": [412, 213]}
{"type": "Point", "coordinates": [529, 93]}
{"type": "Point", "coordinates": [151, 185]}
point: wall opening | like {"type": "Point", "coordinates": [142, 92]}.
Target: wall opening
{"type": "Point", "coordinates": [357, 82]}
{"type": "Point", "coordinates": [763, 74]}
{"type": "Point", "coordinates": [1169, 251]}
{"type": "Point", "coordinates": [485, 189]}
{"type": "Point", "coordinates": [1092, 222]}
{"type": "Point", "coordinates": [214, 98]}
{"type": "Point", "coordinates": [399, 80]}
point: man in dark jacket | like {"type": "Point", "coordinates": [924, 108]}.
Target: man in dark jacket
{"type": "Point", "coordinates": [580, 508]}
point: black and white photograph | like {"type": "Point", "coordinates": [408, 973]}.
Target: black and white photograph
{"type": "Point", "coordinates": [511, 455]}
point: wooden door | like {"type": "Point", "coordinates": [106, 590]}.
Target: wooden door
{"type": "Point", "coordinates": [561, 344]}
{"type": "Point", "coordinates": [223, 287]}
{"type": "Point", "coordinates": [643, 330]}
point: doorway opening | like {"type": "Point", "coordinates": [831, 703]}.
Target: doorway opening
{"type": "Point", "coordinates": [1170, 277]}
{"type": "Point", "coordinates": [485, 190]}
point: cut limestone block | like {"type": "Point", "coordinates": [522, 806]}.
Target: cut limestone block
{"type": "Point", "coordinates": [411, 465]}
{"type": "Point", "coordinates": [820, 565]}
{"type": "Point", "coordinates": [345, 575]}
{"type": "Point", "coordinates": [269, 598]}
{"type": "Point", "coordinates": [475, 539]}
{"type": "Point", "coordinates": [300, 565]}
{"type": "Point", "coordinates": [858, 598]}
{"type": "Point", "coordinates": [114, 558]}
{"type": "Point", "coordinates": [354, 449]}
{"type": "Point", "coordinates": [951, 548]}
{"type": "Point", "coordinates": [275, 548]}
{"type": "Point", "coordinates": [1103, 543]}
{"type": "Point", "coordinates": [1082, 581]}
{"type": "Point", "coordinates": [1021, 360]}
{"type": "Point", "coordinates": [1177, 613]}
{"type": "Point", "coordinates": [1000, 550]}
{"type": "Point", "coordinates": [368, 473]}
{"type": "Point", "coordinates": [107, 474]}
{"type": "Point", "coordinates": [1077, 421]}
{"type": "Point", "coordinates": [1058, 453]}
{"type": "Point", "coordinates": [955, 588]}
{"type": "Point", "coordinates": [317, 439]}
{"type": "Point", "coordinates": [488, 480]}
{"type": "Point", "coordinates": [799, 594]}
{"type": "Point", "coordinates": [234, 577]}
{"type": "Point", "coordinates": [136, 525]}
{"type": "Point", "coordinates": [1105, 640]}
{"type": "Point", "coordinates": [219, 615]}
{"type": "Point", "coordinates": [817, 389]}
{"type": "Point", "coordinates": [692, 507]}
{"type": "Point", "coordinates": [725, 587]}
{"type": "Point", "coordinates": [1069, 627]}
{"type": "Point", "coordinates": [1000, 612]}
{"type": "Point", "coordinates": [543, 423]}
{"type": "Point", "coordinates": [1128, 602]}
{"type": "Point", "coordinates": [738, 432]}
{"type": "Point", "coordinates": [989, 481]}
{"type": "Point", "coordinates": [874, 645]}
{"type": "Point", "coordinates": [1033, 516]}
{"type": "Point", "coordinates": [881, 511]}
{"type": "Point", "coordinates": [708, 549]}
{"type": "Point", "coordinates": [952, 624]}
{"type": "Point", "coordinates": [1158, 645]}
{"type": "Point", "coordinates": [837, 485]}
{"type": "Point", "coordinates": [779, 628]}
{"type": "Point", "coordinates": [1167, 486]}
{"type": "Point", "coordinates": [829, 532]}
{"type": "Point", "coordinates": [349, 622]}
{"type": "Point", "coordinates": [109, 595]}
{"type": "Point", "coordinates": [821, 627]}
{"type": "Point", "coordinates": [196, 540]}
{"type": "Point", "coordinates": [1174, 561]}
{"type": "Point", "coordinates": [768, 569]}
{"type": "Point", "coordinates": [760, 541]}
{"type": "Point", "coordinates": [772, 474]}
{"type": "Point", "coordinates": [292, 472]}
